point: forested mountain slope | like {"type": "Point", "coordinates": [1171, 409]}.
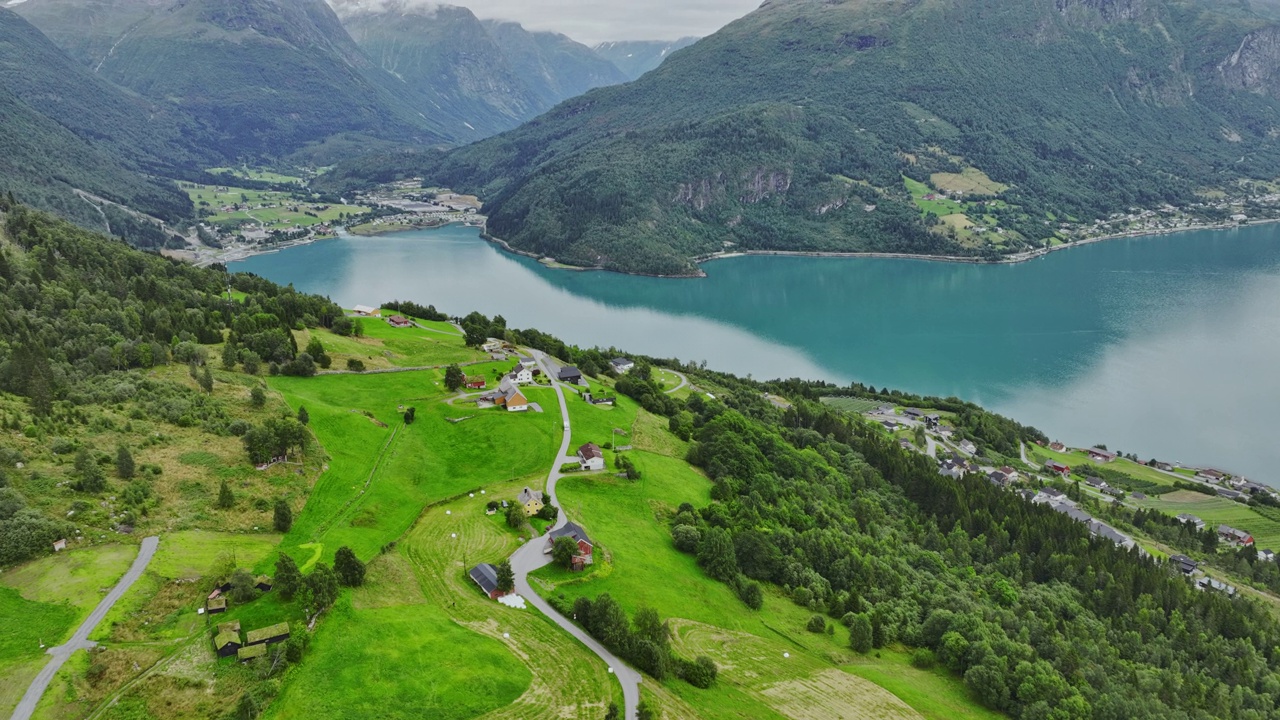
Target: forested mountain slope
{"type": "Point", "coordinates": [266, 76]}
{"type": "Point", "coordinates": [792, 128]}
{"type": "Point", "coordinates": [65, 129]}
{"type": "Point", "coordinates": [637, 57]}
{"type": "Point", "coordinates": [483, 76]}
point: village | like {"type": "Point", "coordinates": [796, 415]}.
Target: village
{"type": "Point", "coordinates": [1043, 483]}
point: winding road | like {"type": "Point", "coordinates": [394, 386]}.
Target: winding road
{"type": "Point", "coordinates": [80, 640]}
{"type": "Point", "coordinates": [530, 557]}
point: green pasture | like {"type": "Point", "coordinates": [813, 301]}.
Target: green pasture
{"type": "Point", "coordinates": [380, 478]}
{"type": "Point", "coordinates": [939, 206]}
{"type": "Point", "coordinates": [400, 662]}
{"type": "Point", "coordinates": [851, 405]}
{"type": "Point", "coordinates": [79, 577]}
{"type": "Point", "coordinates": [192, 553]}
{"type": "Point", "coordinates": [274, 210]}
{"type": "Point", "coordinates": [24, 625]}
{"type": "Point", "coordinates": [256, 174]}
{"type": "Point", "coordinates": [596, 423]}
{"type": "Point", "coordinates": [1218, 511]}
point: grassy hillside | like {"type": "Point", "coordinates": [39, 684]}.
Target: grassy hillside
{"type": "Point", "coordinates": [793, 128]}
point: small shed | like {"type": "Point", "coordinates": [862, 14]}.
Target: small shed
{"type": "Point", "coordinates": [227, 643]}
{"type": "Point", "coordinates": [247, 653]}
{"type": "Point", "coordinates": [231, 627]}
{"type": "Point", "coordinates": [268, 635]}
{"type": "Point", "coordinates": [60, 545]}
{"type": "Point", "coordinates": [263, 583]}
{"type": "Point", "coordinates": [216, 605]}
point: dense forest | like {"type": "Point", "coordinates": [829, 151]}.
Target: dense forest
{"type": "Point", "coordinates": [793, 128]}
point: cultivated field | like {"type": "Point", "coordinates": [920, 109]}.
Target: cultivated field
{"type": "Point", "coordinates": [853, 406]}
{"type": "Point", "coordinates": [970, 181]}
{"type": "Point", "coordinates": [272, 209]}
{"type": "Point", "coordinates": [1217, 510]}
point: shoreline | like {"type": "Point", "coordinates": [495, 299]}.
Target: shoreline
{"type": "Point", "coordinates": [699, 260]}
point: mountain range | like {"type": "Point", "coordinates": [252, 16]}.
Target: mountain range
{"type": "Point", "coordinates": [637, 57]}
{"type": "Point", "coordinates": [802, 126]}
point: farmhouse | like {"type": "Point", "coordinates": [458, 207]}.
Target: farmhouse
{"type": "Point", "coordinates": [226, 643]}
{"type": "Point", "coordinates": [520, 375]}
{"type": "Point", "coordinates": [1268, 555]}
{"type": "Point", "coordinates": [268, 635]}
{"type": "Point", "coordinates": [1232, 536]}
{"type": "Point", "coordinates": [531, 500]}
{"type": "Point", "coordinates": [998, 478]}
{"type": "Point", "coordinates": [399, 321]}
{"type": "Point", "coordinates": [474, 382]}
{"type": "Point", "coordinates": [621, 365]}
{"type": "Point", "coordinates": [1057, 447]}
{"type": "Point", "coordinates": [1188, 518]}
{"type": "Point", "coordinates": [1184, 564]}
{"type": "Point", "coordinates": [486, 576]}
{"type": "Point", "coordinates": [1100, 455]}
{"type": "Point", "coordinates": [365, 311]}
{"type": "Point", "coordinates": [591, 457]}
{"type": "Point", "coordinates": [245, 654]}
{"type": "Point", "coordinates": [1054, 466]}
{"type": "Point", "coordinates": [570, 375]}
{"type": "Point", "coordinates": [507, 396]}
{"type": "Point", "coordinates": [1096, 483]}
{"type": "Point", "coordinates": [527, 362]}
{"type": "Point", "coordinates": [573, 531]}
{"type": "Point", "coordinates": [1013, 474]}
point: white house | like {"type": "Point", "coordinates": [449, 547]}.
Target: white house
{"type": "Point", "coordinates": [590, 457]}
{"type": "Point", "coordinates": [528, 362]}
{"type": "Point", "coordinates": [968, 447]}
{"type": "Point", "coordinates": [520, 375]}
{"type": "Point", "coordinates": [622, 365]}
{"type": "Point", "coordinates": [365, 310]}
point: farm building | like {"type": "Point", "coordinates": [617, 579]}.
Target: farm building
{"type": "Point", "coordinates": [399, 321]}
{"type": "Point", "coordinates": [227, 643]}
{"type": "Point", "coordinates": [1232, 536]}
{"type": "Point", "coordinates": [1054, 466]}
{"type": "Point", "coordinates": [245, 654]}
{"type": "Point", "coordinates": [1100, 455]}
{"type": "Point", "coordinates": [1057, 447]}
{"type": "Point", "coordinates": [1009, 471]}
{"type": "Point", "coordinates": [508, 396]}
{"type": "Point", "coordinates": [474, 382]}
{"type": "Point", "coordinates": [486, 576]}
{"type": "Point", "coordinates": [216, 605]}
{"type": "Point", "coordinates": [1183, 564]}
{"type": "Point", "coordinates": [622, 365]}
{"type": "Point", "coordinates": [531, 500]}
{"type": "Point", "coordinates": [365, 311]}
{"type": "Point", "coordinates": [570, 375]}
{"type": "Point", "coordinates": [520, 375]}
{"type": "Point", "coordinates": [1188, 518]}
{"type": "Point", "coordinates": [263, 583]}
{"type": "Point", "coordinates": [591, 457]}
{"type": "Point", "coordinates": [527, 362]}
{"type": "Point", "coordinates": [573, 531]}
{"type": "Point", "coordinates": [268, 635]}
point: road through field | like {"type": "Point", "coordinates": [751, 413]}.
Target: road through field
{"type": "Point", "coordinates": [530, 557]}
{"type": "Point", "coordinates": [80, 640]}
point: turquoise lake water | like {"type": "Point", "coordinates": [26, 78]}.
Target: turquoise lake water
{"type": "Point", "coordinates": [1164, 346]}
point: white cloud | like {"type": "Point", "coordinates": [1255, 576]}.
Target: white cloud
{"type": "Point", "coordinates": [594, 21]}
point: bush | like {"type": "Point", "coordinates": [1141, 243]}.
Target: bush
{"type": "Point", "coordinates": [700, 673]}
{"type": "Point", "coordinates": [923, 658]}
{"type": "Point", "coordinates": [355, 365]}
{"type": "Point", "coordinates": [686, 538]}
{"type": "Point", "coordinates": [751, 595]}
{"type": "Point", "coordinates": [816, 624]}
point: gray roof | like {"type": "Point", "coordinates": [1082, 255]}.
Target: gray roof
{"type": "Point", "coordinates": [526, 495]}
{"type": "Point", "coordinates": [1072, 512]}
{"type": "Point", "coordinates": [570, 530]}
{"type": "Point", "coordinates": [569, 372]}
{"type": "Point", "coordinates": [621, 361]}
{"type": "Point", "coordinates": [486, 576]}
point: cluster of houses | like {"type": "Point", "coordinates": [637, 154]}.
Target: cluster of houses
{"type": "Point", "coordinates": [1059, 502]}
{"type": "Point", "coordinates": [508, 394]}
{"type": "Point", "coordinates": [216, 602]}
{"type": "Point", "coordinates": [254, 643]}
{"type": "Point", "coordinates": [485, 575]}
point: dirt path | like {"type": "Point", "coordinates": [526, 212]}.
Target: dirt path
{"type": "Point", "coordinates": [80, 640]}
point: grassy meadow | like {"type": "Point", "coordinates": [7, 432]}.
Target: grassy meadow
{"type": "Point", "coordinates": [383, 346]}
{"type": "Point", "coordinates": [272, 209]}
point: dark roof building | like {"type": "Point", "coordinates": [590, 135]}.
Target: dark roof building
{"type": "Point", "coordinates": [1183, 564]}
{"type": "Point", "coordinates": [216, 605]}
{"type": "Point", "coordinates": [227, 643]}
{"type": "Point", "coordinates": [263, 583]}
{"type": "Point", "coordinates": [245, 654]}
{"type": "Point", "coordinates": [570, 375]}
{"type": "Point", "coordinates": [267, 635]}
{"type": "Point", "coordinates": [486, 576]}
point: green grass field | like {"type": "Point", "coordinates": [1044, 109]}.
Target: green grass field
{"type": "Point", "coordinates": [404, 467]}
{"type": "Point", "coordinates": [78, 577]}
{"type": "Point", "coordinates": [384, 346]}
{"type": "Point", "coordinates": [274, 210]}
{"type": "Point", "coordinates": [853, 406]}
{"type": "Point", "coordinates": [408, 661]}
{"type": "Point", "coordinates": [597, 423]}
{"type": "Point", "coordinates": [939, 205]}
{"type": "Point", "coordinates": [24, 625]}
{"type": "Point", "coordinates": [1217, 510]}
{"type": "Point", "coordinates": [256, 174]}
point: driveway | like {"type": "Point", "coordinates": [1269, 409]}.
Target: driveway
{"type": "Point", "coordinates": [683, 380]}
{"type": "Point", "coordinates": [80, 640]}
{"type": "Point", "coordinates": [530, 557]}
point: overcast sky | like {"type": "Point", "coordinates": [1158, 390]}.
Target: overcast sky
{"type": "Point", "coordinates": [593, 21]}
